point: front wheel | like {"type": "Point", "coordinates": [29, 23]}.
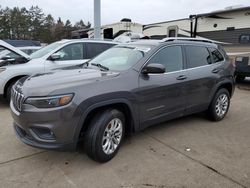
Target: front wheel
{"type": "Point", "coordinates": [104, 135]}
{"type": "Point", "coordinates": [219, 105]}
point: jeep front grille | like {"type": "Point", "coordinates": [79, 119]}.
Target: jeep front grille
{"type": "Point", "coordinates": [17, 99]}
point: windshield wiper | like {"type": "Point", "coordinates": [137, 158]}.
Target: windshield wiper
{"type": "Point", "coordinates": [100, 66]}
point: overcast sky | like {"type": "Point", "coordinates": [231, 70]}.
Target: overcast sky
{"type": "Point", "coordinates": [140, 11]}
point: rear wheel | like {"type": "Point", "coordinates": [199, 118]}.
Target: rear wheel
{"type": "Point", "coordinates": [219, 105]}
{"type": "Point", "coordinates": [104, 135]}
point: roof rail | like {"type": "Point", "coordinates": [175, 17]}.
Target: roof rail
{"type": "Point", "coordinates": [167, 39]}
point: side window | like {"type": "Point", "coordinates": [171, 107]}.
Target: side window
{"type": "Point", "coordinates": [71, 52]}
{"type": "Point", "coordinates": [94, 49]}
{"type": "Point", "coordinates": [244, 39]}
{"type": "Point", "coordinates": [217, 57]}
{"type": "Point", "coordinates": [170, 57]}
{"type": "Point", "coordinates": [197, 56]}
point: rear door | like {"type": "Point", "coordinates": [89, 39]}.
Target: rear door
{"type": "Point", "coordinates": [161, 96]}
{"type": "Point", "coordinates": [203, 75]}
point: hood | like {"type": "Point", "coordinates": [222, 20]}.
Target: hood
{"type": "Point", "coordinates": [14, 49]}
{"type": "Point", "coordinates": [46, 83]}
{"type": "Point", "coordinates": [22, 59]}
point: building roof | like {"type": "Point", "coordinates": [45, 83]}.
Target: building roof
{"type": "Point", "coordinates": [231, 9]}
{"type": "Point", "coordinates": [166, 21]}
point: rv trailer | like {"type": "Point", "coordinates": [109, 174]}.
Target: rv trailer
{"type": "Point", "coordinates": [230, 27]}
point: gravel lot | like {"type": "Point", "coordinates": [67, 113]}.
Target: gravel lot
{"type": "Point", "coordinates": [187, 152]}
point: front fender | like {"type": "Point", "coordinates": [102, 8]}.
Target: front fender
{"type": "Point", "coordinates": [87, 106]}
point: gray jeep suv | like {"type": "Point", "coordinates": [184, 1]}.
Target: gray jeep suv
{"type": "Point", "coordinates": [125, 89]}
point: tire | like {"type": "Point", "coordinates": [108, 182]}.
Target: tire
{"type": "Point", "coordinates": [100, 139]}
{"type": "Point", "coordinates": [219, 106]}
{"type": "Point", "coordinates": [240, 78]}
{"type": "Point", "coordinates": [8, 91]}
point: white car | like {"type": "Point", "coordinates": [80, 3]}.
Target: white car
{"type": "Point", "coordinates": [64, 53]}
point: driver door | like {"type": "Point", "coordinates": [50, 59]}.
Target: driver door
{"type": "Point", "coordinates": [162, 96]}
{"type": "Point", "coordinates": [69, 55]}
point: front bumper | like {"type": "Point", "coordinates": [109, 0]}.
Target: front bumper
{"type": "Point", "coordinates": [25, 138]}
{"type": "Point", "coordinates": [59, 121]}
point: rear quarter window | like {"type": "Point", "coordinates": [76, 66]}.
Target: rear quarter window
{"type": "Point", "coordinates": [216, 55]}
{"type": "Point", "coordinates": [197, 56]}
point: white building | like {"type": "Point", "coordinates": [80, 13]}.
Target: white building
{"type": "Point", "coordinates": [111, 31]}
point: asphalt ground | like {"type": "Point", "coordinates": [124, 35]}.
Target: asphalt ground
{"type": "Point", "coordinates": [187, 152]}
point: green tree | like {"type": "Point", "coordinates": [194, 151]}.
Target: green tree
{"type": "Point", "coordinates": [48, 29]}
{"type": "Point", "coordinates": [5, 22]}
{"type": "Point", "coordinates": [80, 25]}
{"type": "Point", "coordinates": [59, 29]}
{"type": "Point", "coordinates": [36, 18]}
{"type": "Point", "coordinates": [68, 29]}
{"type": "Point", "coordinates": [32, 23]}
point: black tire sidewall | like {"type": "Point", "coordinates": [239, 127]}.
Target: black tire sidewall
{"type": "Point", "coordinates": [93, 144]}
{"type": "Point", "coordinates": [212, 110]}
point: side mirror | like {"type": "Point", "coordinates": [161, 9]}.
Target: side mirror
{"type": "Point", "coordinates": [153, 68]}
{"type": "Point", "coordinates": [55, 56]}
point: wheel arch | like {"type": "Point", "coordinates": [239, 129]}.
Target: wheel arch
{"type": "Point", "coordinates": [15, 78]}
{"type": "Point", "coordinates": [123, 105]}
{"type": "Point", "coordinates": [227, 84]}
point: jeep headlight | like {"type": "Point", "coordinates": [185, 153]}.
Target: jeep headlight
{"type": "Point", "coordinates": [50, 102]}
{"type": "Point", "coordinates": [2, 69]}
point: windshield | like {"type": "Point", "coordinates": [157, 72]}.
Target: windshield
{"type": "Point", "coordinates": [120, 58]}
{"type": "Point", "coordinates": [45, 50]}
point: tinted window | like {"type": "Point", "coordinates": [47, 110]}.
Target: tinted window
{"type": "Point", "coordinates": [197, 56]}
{"type": "Point", "coordinates": [170, 57]}
{"type": "Point", "coordinates": [71, 52]}
{"type": "Point", "coordinates": [217, 57]}
{"type": "Point", "coordinates": [244, 39]}
{"type": "Point", "coordinates": [94, 49]}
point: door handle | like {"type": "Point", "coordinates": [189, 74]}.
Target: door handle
{"type": "Point", "coordinates": [215, 71]}
{"type": "Point", "coordinates": [181, 77]}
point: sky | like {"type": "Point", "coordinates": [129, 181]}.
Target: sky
{"type": "Point", "coordinates": [140, 11]}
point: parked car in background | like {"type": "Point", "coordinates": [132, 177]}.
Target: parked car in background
{"type": "Point", "coordinates": [29, 49]}
{"type": "Point", "coordinates": [10, 53]}
{"type": "Point", "coordinates": [242, 71]}
{"type": "Point", "coordinates": [126, 88]}
{"type": "Point", "coordinates": [59, 54]}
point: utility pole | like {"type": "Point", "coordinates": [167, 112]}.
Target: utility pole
{"type": "Point", "coordinates": [97, 19]}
